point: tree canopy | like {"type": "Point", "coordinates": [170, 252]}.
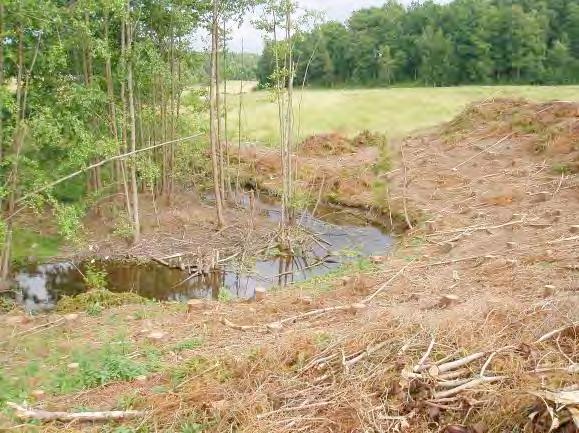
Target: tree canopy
{"type": "Point", "coordinates": [462, 42]}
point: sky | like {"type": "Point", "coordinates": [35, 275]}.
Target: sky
{"type": "Point", "coordinates": [334, 10]}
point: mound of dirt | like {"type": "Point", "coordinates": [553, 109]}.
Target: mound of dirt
{"type": "Point", "coordinates": [337, 144]}
{"type": "Point", "coordinates": [550, 128]}
{"type": "Point", "coordinates": [326, 144]}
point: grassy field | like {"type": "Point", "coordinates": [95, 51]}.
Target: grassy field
{"type": "Point", "coordinates": [395, 112]}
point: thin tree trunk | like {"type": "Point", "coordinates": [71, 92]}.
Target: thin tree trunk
{"type": "Point", "coordinates": [280, 111]}
{"type": "Point", "coordinates": [239, 114]}
{"type": "Point", "coordinates": [133, 137]}
{"type": "Point", "coordinates": [227, 174]}
{"type": "Point", "coordinates": [220, 143]}
{"type": "Point", "coordinates": [124, 126]}
{"type": "Point", "coordinates": [289, 117]}
{"type": "Point", "coordinates": [214, 126]}
{"type": "Point", "coordinates": [172, 106]}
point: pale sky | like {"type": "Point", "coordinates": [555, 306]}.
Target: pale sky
{"type": "Point", "coordinates": [334, 10]}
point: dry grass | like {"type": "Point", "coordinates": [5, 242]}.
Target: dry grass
{"type": "Point", "coordinates": [493, 239]}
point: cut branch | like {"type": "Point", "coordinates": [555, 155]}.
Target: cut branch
{"type": "Point", "coordinates": [46, 416]}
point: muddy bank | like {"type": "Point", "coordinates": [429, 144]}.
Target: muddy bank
{"type": "Point", "coordinates": [350, 172]}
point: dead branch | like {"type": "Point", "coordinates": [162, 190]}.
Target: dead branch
{"type": "Point", "coordinates": [98, 164]}
{"type": "Point", "coordinates": [232, 325]}
{"type": "Point", "coordinates": [408, 223]}
{"type": "Point", "coordinates": [418, 367]}
{"type": "Point", "coordinates": [455, 168]}
{"type": "Point", "coordinates": [291, 409]}
{"type": "Point", "coordinates": [317, 312]}
{"type": "Point", "coordinates": [453, 365]}
{"type": "Point", "coordinates": [383, 286]}
{"type": "Point", "coordinates": [36, 329]}
{"type": "Point", "coordinates": [469, 385]}
{"type": "Point", "coordinates": [491, 356]}
{"type": "Point", "coordinates": [449, 262]}
{"type": "Point", "coordinates": [472, 229]}
{"type": "Point", "coordinates": [46, 416]}
{"type": "Point", "coordinates": [367, 352]}
{"type": "Point", "coordinates": [551, 334]}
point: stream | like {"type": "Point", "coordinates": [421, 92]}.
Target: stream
{"type": "Point", "coordinates": [347, 236]}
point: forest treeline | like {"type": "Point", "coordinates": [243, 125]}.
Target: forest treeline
{"type": "Point", "coordinates": [461, 42]}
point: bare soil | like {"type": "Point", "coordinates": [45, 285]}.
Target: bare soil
{"type": "Point", "coordinates": [489, 266]}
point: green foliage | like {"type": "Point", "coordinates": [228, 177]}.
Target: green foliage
{"type": "Point", "coordinates": [69, 220]}
{"type": "Point", "coordinates": [190, 344]}
{"type": "Point", "coordinates": [6, 304]}
{"type": "Point", "coordinates": [224, 295]}
{"type": "Point", "coordinates": [328, 281]}
{"type": "Point", "coordinates": [97, 368]}
{"type": "Point", "coordinates": [123, 226]}
{"type": "Point", "coordinates": [461, 41]}
{"type": "Point", "coordinates": [93, 277]}
{"type": "Point", "coordinates": [95, 299]}
{"type": "Point", "coordinates": [191, 426]}
{"type": "Point", "coordinates": [562, 168]}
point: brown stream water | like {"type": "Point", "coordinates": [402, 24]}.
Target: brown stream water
{"type": "Point", "coordinates": [40, 286]}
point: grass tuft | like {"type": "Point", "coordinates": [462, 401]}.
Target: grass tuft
{"type": "Point", "coordinates": [94, 301]}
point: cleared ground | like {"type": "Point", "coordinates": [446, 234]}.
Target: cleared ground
{"type": "Point", "coordinates": [395, 112]}
{"type": "Point", "coordinates": [460, 329]}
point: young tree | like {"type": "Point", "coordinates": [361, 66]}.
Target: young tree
{"type": "Point", "coordinates": [214, 115]}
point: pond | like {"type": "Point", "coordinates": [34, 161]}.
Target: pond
{"type": "Point", "coordinates": [342, 237]}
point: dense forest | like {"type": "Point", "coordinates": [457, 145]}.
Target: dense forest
{"type": "Point", "coordinates": [462, 42]}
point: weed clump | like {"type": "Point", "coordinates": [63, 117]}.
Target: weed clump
{"type": "Point", "coordinates": [6, 304]}
{"type": "Point", "coordinates": [97, 299]}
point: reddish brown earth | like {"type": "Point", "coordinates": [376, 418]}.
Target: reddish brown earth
{"type": "Point", "coordinates": [494, 204]}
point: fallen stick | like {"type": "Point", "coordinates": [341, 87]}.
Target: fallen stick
{"type": "Point", "coordinates": [367, 352]}
{"type": "Point", "coordinates": [449, 262]}
{"type": "Point", "coordinates": [469, 385]}
{"type": "Point", "coordinates": [453, 365]}
{"type": "Point", "coordinates": [571, 369]}
{"type": "Point", "coordinates": [408, 223]}
{"type": "Point", "coordinates": [551, 334]}
{"type": "Point", "coordinates": [572, 238]}
{"type": "Point", "coordinates": [43, 327]}
{"type": "Point", "coordinates": [455, 168]}
{"type": "Point", "coordinates": [492, 355]}
{"type": "Point", "coordinates": [383, 286]}
{"type": "Point", "coordinates": [418, 367]}
{"type": "Point", "coordinates": [46, 416]}
{"type": "Point", "coordinates": [477, 228]}
{"type": "Point", "coordinates": [453, 383]}
{"type": "Point", "coordinates": [314, 313]}
{"type": "Point", "coordinates": [232, 325]}
{"type": "Point", "coordinates": [289, 409]}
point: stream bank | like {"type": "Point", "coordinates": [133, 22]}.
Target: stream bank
{"type": "Point", "coordinates": [341, 237]}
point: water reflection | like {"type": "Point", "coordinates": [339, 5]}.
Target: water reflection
{"type": "Point", "coordinates": [41, 286]}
